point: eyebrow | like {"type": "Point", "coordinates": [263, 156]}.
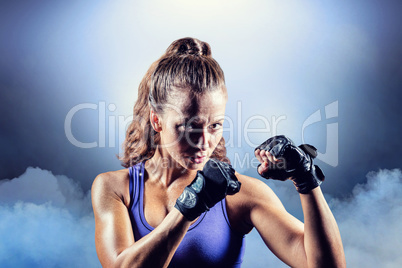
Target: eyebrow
{"type": "Point", "coordinates": [219, 118]}
{"type": "Point", "coordinates": [197, 120]}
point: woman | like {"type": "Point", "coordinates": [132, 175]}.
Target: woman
{"type": "Point", "coordinates": [163, 210]}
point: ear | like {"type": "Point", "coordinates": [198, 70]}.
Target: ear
{"type": "Point", "coordinates": [154, 118]}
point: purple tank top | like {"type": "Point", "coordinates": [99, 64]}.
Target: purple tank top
{"type": "Point", "coordinates": [209, 242]}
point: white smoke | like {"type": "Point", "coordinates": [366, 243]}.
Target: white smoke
{"type": "Point", "coordinates": [369, 221]}
{"type": "Point", "coordinates": [45, 221]}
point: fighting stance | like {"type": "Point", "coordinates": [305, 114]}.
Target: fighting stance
{"type": "Point", "coordinates": [179, 203]}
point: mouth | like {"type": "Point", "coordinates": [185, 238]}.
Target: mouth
{"type": "Point", "coordinates": [198, 159]}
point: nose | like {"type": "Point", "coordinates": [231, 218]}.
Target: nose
{"type": "Point", "coordinates": [201, 139]}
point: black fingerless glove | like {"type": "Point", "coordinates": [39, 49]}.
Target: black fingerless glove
{"type": "Point", "coordinates": [211, 185]}
{"type": "Point", "coordinates": [296, 163]}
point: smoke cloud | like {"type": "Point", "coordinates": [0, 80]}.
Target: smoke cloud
{"type": "Point", "coordinates": [370, 221]}
{"type": "Point", "coordinates": [46, 220]}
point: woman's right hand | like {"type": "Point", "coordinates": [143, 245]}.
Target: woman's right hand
{"type": "Point", "coordinates": [211, 185]}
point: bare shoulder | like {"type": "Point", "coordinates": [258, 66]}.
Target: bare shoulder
{"type": "Point", "coordinates": [254, 194]}
{"type": "Point", "coordinates": [110, 199]}
{"type": "Point", "coordinates": [112, 184]}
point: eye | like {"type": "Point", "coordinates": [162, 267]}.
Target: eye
{"type": "Point", "coordinates": [215, 126]}
{"type": "Point", "coordinates": [186, 127]}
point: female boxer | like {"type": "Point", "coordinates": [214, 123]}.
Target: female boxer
{"type": "Point", "coordinates": [179, 203]}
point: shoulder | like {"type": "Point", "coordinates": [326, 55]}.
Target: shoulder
{"type": "Point", "coordinates": [112, 184]}
{"type": "Point", "coordinates": [254, 195]}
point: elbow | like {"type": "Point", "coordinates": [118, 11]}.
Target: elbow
{"type": "Point", "coordinates": [118, 260]}
{"type": "Point", "coordinates": [123, 260]}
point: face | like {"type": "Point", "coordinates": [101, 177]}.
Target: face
{"type": "Point", "coordinates": [191, 126]}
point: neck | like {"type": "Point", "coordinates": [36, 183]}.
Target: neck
{"type": "Point", "coordinates": [163, 168]}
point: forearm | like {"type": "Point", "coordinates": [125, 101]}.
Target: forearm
{"type": "Point", "coordinates": [158, 247]}
{"type": "Point", "coordinates": [322, 240]}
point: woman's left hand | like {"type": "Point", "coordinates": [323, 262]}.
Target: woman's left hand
{"type": "Point", "coordinates": [281, 159]}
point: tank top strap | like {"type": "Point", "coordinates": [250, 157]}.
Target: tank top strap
{"type": "Point", "coordinates": [135, 172]}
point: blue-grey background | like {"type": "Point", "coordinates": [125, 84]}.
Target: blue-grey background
{"type": "Point", "coordinates": [284, 61]}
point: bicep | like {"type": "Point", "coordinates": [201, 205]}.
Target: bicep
{"type": "Point", "coordinates": [113, 231]}
{"type": "Point", "coordinates": [282, 233]}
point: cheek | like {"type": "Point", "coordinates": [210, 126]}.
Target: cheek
{"type": "Point", "coordinates": [173, 137]}
{"type": "Point", "coordinates": [169, 137]}
{"type": "Point", "coordinates": [216, 138]}
{"type": "Point", "coordinates": [177, 140]}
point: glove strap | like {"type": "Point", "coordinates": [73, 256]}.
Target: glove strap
{"type": "Point", "coordinates": [307, 181]}
{"type": "Point", "coordinates": [190, 203]}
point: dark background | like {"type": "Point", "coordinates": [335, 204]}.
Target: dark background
{"type": "Point", "coordinates": [285, 60]}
